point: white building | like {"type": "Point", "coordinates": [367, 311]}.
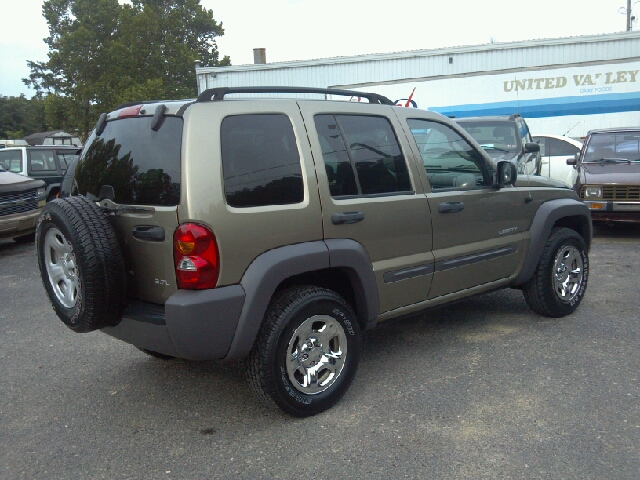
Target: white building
{"type": "Point", "coordinates": [562, 86]}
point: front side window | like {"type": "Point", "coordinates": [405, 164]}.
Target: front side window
{"type": "Point", "coordinates": [542, 141]}
{"type": "Point", "coordinates": [449, 160]}
{"type": "Point", "coordinates": [361, 155]}
{"type": "Point", "coordinates": [11, 160]}
{"type": "Point", "coordinates": [142, 165]}
{"type": "Point", "coordinates": [260, 161]}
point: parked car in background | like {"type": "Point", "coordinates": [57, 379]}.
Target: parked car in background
{"type": "Point", "coordinates": [505, 138]}
{"type": "Point", "coordinates": [554, 151]}
{"type": "Point", "coordinates": [608, 174]}
{"type": "Point", "coordinates": [21, 200]}
{"type": "Point", "coordinates": [46, 163]}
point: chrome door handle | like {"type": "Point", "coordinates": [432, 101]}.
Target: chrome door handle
{"type": "Point", "coordinates": [450, 207]}
{"type": "Point", "coordinates": [347, 218]}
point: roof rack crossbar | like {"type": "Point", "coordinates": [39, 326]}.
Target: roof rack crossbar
{"type": "Point", "coordinates": [217, 94]}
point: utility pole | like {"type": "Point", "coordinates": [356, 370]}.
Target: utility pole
{"type": "Point", "coordinates": [628, 15]}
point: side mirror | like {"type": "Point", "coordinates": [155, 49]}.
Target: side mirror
{"type": "Point", "coordinates": [573, 160]}
{"type": "Point", "coordinates": [531, 147]}
{"type": "Point", "coordinates": [506, 174]}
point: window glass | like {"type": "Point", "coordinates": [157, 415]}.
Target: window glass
{"type": "Point", "coordinates": [42, 161]}
{"type": "Point", "coordinates": [542, 141]}
{"type": "Point", "coordinates": [496, 137]}
{"type": "Point", "coordinates": [450, 161]}
{"type": "Point", "coordinates": [623, 146]}
{"type": "Point", "coordinates": [142, 165]}
{"type": "Point", "coordinates": [66, 158]}
{"type": "Point", "coordinates": [362, 155]}
{"type": "Point", "coordinates": [260, 161]}
{"type": "Point", "coordinates": [11, 160]}
{"type": "Point", "coordinates": [561, 148]}
{"type": "Point", "coordinates": [340, 172]}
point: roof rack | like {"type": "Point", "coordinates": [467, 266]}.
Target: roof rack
{"type": "Point", "coordinates": [217, 94]}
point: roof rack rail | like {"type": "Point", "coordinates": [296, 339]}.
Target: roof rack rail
{"type": "Point", "coordinates": [217, 94]}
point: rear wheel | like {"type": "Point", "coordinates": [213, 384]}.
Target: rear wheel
{"type": "Point", "coordinates": [560, 280]}
{"type": "Point", "coordinates": [307, 351]}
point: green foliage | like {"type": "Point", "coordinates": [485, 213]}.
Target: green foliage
{"type": "Point", "coordinates": [102, 54]}
{"type": "Point", "coordinates": [20, 116]}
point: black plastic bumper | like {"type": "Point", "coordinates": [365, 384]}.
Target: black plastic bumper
{"type": "Point", "coordinates": [193, 324]}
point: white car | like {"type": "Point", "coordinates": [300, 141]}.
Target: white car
{"type": "Point", "coordinates": [555, 150]}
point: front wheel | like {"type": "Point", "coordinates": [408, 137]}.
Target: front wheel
{"type": "Point", "coordinates": [307, 351]}
{"type": "Point", "coordinates": [560, 280]}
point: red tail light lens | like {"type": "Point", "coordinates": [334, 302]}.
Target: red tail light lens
{"type": "Point", "coordinates": [196, 258]}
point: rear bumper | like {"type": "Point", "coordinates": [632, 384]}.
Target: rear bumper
{"type": "Point", "coordinates": [193, 324]}
{"type": "Point", "coordinates": [614, 211]}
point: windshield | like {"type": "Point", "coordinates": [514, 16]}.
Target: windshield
{"type": "Point", "coordinates": [623, 147]}
{"type": "Point", "coordinates": [497, 138]}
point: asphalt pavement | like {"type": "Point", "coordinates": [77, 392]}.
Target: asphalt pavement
{"type": "Point", "coordinates": [481, 389]}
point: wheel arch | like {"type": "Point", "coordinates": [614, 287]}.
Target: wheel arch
{"type": "Point", "coordinates": [339, 265]}
{"type": "Point", "coordinates": [565, 212]}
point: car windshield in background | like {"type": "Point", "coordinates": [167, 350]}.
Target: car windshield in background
{"type": "Point", "coordinates": [624, 147]}
{"type": "Point", "coordinates": [495, 137]}
{"type": "Point", "coordinates": [141, 164]}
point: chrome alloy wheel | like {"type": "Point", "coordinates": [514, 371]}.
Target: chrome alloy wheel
{"type": "Point", "coordinates": [60, 262]}
{"type": "Point", "coordinates": [568, 273]}
{"type": "Point", "coordinates": [316, 354]}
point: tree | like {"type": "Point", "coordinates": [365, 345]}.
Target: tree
{"type": "Point", "coordinates": [20, 116]}
{"type": "Point", "coordinates": [102, 54]}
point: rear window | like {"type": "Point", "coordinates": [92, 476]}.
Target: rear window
{"type": "Point", "coordinates": [142, 165]}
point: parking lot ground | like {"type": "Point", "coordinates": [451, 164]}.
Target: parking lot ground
{"type": "Point", "coordinates": [481, 389]}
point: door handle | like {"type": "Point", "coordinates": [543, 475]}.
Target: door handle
{"type": "Point", "coordinates": [347, 218]}
{"type": "Point", "coordinates": [450, 207]}
{"type": "Point", "coordinates": [148, 232]}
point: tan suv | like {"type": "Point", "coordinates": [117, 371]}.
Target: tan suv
{"type": "Point", "coordinates": [278, 229]}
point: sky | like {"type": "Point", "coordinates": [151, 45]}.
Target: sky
{"type": "Point", "coordinates": [309, 29]}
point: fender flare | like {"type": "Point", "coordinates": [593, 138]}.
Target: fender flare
{"type": "Point", "coordinates": [546, 216]}
{"type": "Point", "coordinates": [271, 268]}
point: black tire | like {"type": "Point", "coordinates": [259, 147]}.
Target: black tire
{"type": "Point", "coordinates": [545, 293]}
{"type": "Point", "coordinates": [290, 313]}
{"type": "Point", "coordinates": [85, 277]}
{"type": "Point", "coordinates": [158, 355]}
{"type": "Point", "coordinates": [31, 237]}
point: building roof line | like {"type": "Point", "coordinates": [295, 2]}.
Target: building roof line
{"type": "Point", "coordinates": [426, 52]}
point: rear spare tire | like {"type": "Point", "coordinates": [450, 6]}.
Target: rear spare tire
{"type": "Point", "coordinates": [81, 264]}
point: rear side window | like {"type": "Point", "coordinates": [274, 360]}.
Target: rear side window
{"type": "Point", "coordinates": [558, 148]}
{"type": "Point", "coordinates": [361, 155]}
{"type": "Point", "coordinates": [142, 165]}
{"type": "Point", "coordinates": [42, 161]}
{"type": "Point", "coordinates": [260, 161]}
{"type": "Point", "coordinates": [11, 160]}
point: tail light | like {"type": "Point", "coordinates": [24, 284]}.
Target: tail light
{"type": "Point", "coordinates": [196, 257]}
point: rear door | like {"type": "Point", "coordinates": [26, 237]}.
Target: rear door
{"type": "Point", "coordinates": [477, 229]}
{"type": "Point", "coordinates": [143, 167]}
{"type": "Point", "coordinates": [371, 192]}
